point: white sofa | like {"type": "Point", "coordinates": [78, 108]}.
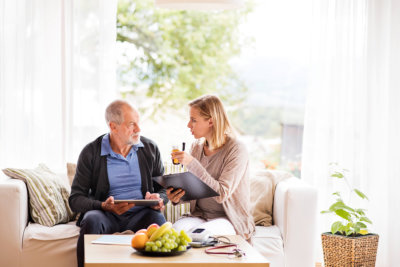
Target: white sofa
{"type": "Point", "coordinates": [289, 242]}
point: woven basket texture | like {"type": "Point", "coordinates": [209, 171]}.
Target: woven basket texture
{"type": "Point", "coordinates": [341, 251]}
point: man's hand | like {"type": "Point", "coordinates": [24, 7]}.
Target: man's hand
{"type": "Point", "coordinates": [160, 205]}
{"type": "Point", "coordinates": [118, 209]}
{"type": "Point", "coordinates": [175, 195]}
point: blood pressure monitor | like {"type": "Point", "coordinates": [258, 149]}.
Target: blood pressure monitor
{"type": "Point", "coordinates": [199, 235]}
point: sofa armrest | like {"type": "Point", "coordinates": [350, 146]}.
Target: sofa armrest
{"type": "Point", "coordinates": [295, 213]}
{"type": "Point", "coordinates": [14, 212]}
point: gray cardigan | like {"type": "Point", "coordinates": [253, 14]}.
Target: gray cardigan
{"type": "Point", "coordinates": [91, 186]}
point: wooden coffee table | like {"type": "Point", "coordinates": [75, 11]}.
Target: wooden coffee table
{"type": "Point", "coordinates": [116, 255]}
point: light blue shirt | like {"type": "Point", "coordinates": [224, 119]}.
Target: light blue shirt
{"type": "Point", "coordinates": [123, 173]}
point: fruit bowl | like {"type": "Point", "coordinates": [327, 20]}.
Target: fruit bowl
{"type": "Point", "coordinates": [161, 241]}
{"type": "Point", "coordinates": [161, 254]}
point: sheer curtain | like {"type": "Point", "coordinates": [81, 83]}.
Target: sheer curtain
{"type": "Point", "coordinates": [56, 75]}
{"type": "Point", "coordinates": [352, 111]}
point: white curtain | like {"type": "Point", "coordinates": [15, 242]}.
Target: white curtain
{"type": "Point", "coordinates": [56, 76]}
{"type": "Point", "coordinates": [353, 112]}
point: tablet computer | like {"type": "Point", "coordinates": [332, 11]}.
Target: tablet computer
{"type": "Point", "coordinates": [193, 186]}
{"type": "Point", "coordinates": [138, 202]}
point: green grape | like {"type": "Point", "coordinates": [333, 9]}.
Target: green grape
{"type": "Point", "coordinates": [169, 241]}
{"type": "Point", "coordinates": [174, 232]}
{"type": "Point", "coordinates": [185, 236]}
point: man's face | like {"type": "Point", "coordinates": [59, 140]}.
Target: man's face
{"type": "Point", "coordinates": [128, 132]}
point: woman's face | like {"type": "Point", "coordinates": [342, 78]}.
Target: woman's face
{"type": "Point", "coordinates": [198, 125]}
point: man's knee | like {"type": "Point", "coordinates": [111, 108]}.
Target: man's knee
{"type": "Point", "coordinates": [94, 222]}
{"type": "Point", "coordinates": [157, 217]}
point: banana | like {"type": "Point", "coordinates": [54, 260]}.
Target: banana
{"type": "Point", "coordinates": [160, 231]}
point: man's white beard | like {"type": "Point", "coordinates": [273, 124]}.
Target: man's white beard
{"type": "Point", "coordinates": [135, 142]}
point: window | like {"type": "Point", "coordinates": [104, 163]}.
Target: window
{"type": "Point", "coordinates": [265, 101]}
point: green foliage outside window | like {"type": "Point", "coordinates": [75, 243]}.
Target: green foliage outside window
{"type": "Point", "coordinates": [179, 55]}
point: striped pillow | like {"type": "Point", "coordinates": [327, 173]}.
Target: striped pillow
{"type": "Point", "coordinates": [48, 195]}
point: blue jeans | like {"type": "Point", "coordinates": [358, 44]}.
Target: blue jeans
{"type": "Point", "coordinates": [102, 222]}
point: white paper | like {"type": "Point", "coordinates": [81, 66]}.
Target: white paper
{"type": "Point", "coordinates": [114, 240]}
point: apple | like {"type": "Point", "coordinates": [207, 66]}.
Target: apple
{"type": "Point", "coordinates": [141, 231]}
{"type": "Point", "coordinates": [151, 229]}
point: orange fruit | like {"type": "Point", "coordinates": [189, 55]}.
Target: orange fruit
{"type": "Point", "coordinates": [142, 231]}
{"type": "Point", "coordinates": [139, 240]}
{"type": "Point", "coordinates": [151, 229]}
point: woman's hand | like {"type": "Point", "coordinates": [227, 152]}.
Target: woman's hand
{"type": "Point", "coordinates": [175, 195]}
{"type": "Point", "coordinates": [183, 157]}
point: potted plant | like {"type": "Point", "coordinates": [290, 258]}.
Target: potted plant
{"type": "Point", "coordinates": [348, 243]}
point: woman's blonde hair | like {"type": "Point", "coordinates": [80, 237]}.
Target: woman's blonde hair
{"type": "Point", "coordinates": [210, 106]}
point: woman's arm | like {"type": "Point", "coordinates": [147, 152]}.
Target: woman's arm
{"type": "Point", "coordinates": [234, 163]}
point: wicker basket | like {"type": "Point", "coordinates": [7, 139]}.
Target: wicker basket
{"type": "Point", "coordinates": [340, 251]}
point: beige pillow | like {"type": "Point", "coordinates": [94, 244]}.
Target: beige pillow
{"type": "Point", "coordinates": [71, 170]}
{"type": "Point", "coordinates": [262, 188]}
{"type": "Point", "coordinates": [48, 195]}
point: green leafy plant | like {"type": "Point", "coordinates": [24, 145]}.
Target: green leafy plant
{"type": "Point", "coordinates": [353, 220]}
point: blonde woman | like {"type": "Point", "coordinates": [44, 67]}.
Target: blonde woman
{"type": "Point", "coordinates": [220, 161]}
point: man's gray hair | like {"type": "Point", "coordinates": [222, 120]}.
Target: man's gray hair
{"type": "Point", "coordinates": [114, 111]}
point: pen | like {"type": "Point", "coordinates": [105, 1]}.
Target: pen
{"type": "Point", "coordinates": [183, 149]}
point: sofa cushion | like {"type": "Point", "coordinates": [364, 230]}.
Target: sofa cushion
{"type": "Point", "coordinates": [48, 194]}
{"type": "Point", "coordinates": [262, 188]}
{"type": "Point", "coordinates": [60, 231]}
{"type": "Point", "coordinates": [50, 246]}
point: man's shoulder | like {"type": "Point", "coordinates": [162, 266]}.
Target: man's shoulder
{"type": "Point", "coordinates": [147, 141]}
{"type": "Point", "coordinates": [150, 148]}
{"type": "Point", "coordinates": [94, 145]}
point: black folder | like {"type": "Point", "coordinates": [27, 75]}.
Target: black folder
{"type": "Point", "coordinates": [193, 186]}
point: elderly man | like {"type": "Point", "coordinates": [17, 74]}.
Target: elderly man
{"type": "Point", "coordinates": [117, 165]}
